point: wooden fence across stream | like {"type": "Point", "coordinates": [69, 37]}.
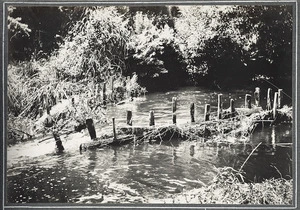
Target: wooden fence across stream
{"type": "Point", "coordinates": [273, 104]}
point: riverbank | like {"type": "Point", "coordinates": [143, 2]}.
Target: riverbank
{"type": "Point", "coordinates": [38, 106]}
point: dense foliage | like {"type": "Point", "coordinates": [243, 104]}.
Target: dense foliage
{"type": "Point", "coordinates": [93, 53]}
{"type": "Point", "coordinates": [231, 45]}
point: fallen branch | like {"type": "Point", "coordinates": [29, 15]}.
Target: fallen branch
{"type": "Point", "coordinates": [249, 156]}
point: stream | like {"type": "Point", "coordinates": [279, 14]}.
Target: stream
{"type": "Point", "coordinates": [146, 172]}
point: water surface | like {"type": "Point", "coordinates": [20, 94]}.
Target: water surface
{"type": "Point", "coordinates": [145, 172]}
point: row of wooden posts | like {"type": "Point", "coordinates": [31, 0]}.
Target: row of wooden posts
{"type": "Point", "coordinates": [97, 87]}
{"type": "Point", "coordinates": [231, 112]}
{"type": "Point", "coordinates": [277, 103]}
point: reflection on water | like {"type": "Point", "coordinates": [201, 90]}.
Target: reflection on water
{"type": "Point", "coordinates": [136, 173]}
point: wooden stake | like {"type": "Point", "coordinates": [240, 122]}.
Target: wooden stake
{"type": "Point", "coordinates": [275, 105]}
{"type": "Point", "coordinates": [114, 129]}
{"type": "Point", "coordinates": [192, 112]}
{"type": "Point", "coordinates": [280, 95]}
{"type": "Point", "coordinates": [248, 101]}
{"type": "Point", "coordinates": [151, 118]}
{"type": "Point", "coordinates": [91, 128]}
{"type": "Point", "coordinates": [129, 117]}
{"type": "Point", "coordinates": [257, 96]}
{"type": "Point", "coordinates": [269, 99]}
{"type": "Point", "coordinates": [220, 106]}
{"type": "Point", "coordinates": [174, 106]}
{"type": "Point", "coordinates": [58, 142]}
{"type": "Point", "coordinates": [232, 109]}
{"type": "Point", "coordinates": [206, 112]}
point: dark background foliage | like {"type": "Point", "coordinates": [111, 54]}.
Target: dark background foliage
{"type": "Point", "coordinates": [219, 60]}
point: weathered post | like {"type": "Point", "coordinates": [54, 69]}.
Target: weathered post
{"type": "Point", "coordinates": [151, 118]}
{"type": "Point", "coordinates": [220, 106]}
{"type": "Point", "coordinates": [192, 112]}
{"type": "Point", "coordinates": [275, 105]}
{"type": "Point", "coordinates": [257, 96]}
{"type": "Point", "coordinates": [192, 150]}
{"type": "Point", "coordinates": [104, 94]}
{"type": "Point", "coordinates": [269, 99]}
{"type": "Point", "coordinates": [73, 101]}
{"type": "Point", "coordinates": [280, 95]}
{"type": "Point", "coordinates": [58, 142]}
{"type": "Point", "coordinates": [206, 112]}
{"type": "Point", "coordinates": [114, 129]}
{"type": "Point", "coordinates": [129, 117]}
{"type": "Point", "coordinates": [232, 109]}
{"type": "Point", "coordinates": [91, 128]}
{"type": "Point", "coordinates": [248, 101]}
{"type": "Point", "coordinates": [174, 107]}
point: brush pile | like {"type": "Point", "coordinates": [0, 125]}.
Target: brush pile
{"type": "Point", "coordinates": [237, 128]}
{"type": "Point", "coordinates": [233, 130]}
{"type": "Point", "coordinates": [228, 187]}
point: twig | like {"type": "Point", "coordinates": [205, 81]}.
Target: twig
{"type": "Point", "coordinates": [277, 170]}
{"type": "Point", "coordinates": [172, 135]}
{"type": "Point", "coordinates": [277, 88]}
{"type": "Point", "coordinates": [249, 156]}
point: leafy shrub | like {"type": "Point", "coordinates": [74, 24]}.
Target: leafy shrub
{"type": "Point", "coordinates": [153, 53]}
{"type": "Point", "coordinates": [95, 46]}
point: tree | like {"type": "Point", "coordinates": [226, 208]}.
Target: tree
{"type": "Point", "coordinates": [273, 49]}
{"type": "Point", "coordinates": [37, 31]}
{"type": "Point", "coordinates": [153, 53]}
{"type": "Point", "coordinates": [95, 46]}
{"type": "Point", "coordinates": [258, 39]}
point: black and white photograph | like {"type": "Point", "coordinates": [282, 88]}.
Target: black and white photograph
{"type": "Point", "coordinates": [150, 105]}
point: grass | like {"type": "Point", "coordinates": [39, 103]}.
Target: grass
{"type": "Point", "coordinates": [228, 187]}
{"type": "Point", "coordinates": [34, 86]}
